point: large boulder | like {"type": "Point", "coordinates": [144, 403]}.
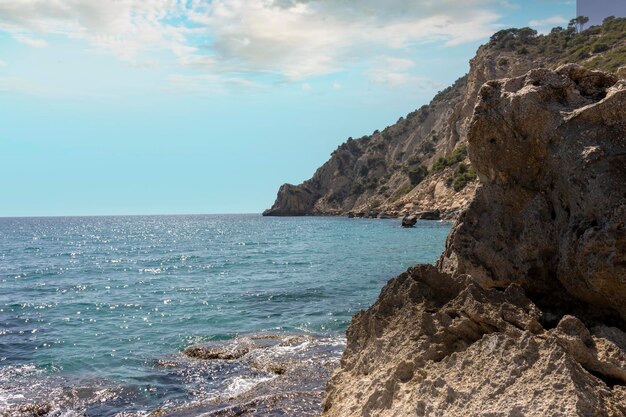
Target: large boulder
{"type": "Point", "coordinates": [550, 151]}
{"type": "Point", "coordinates": [409, 221]}
{"type": "Point", "coordinates": [525, 312]}
{"type": "Point", "coordinates": [293, 200]}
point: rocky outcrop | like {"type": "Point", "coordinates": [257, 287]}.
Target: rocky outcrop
{"type": "Point", "coordinates": [434, 345]}
{"type": "Point", "coordinates": [409, 221]}
{"type": "Point", "coordinates": [387, 169]}
{"type": "Point", "coordinates": [294, 201]}
{"type": "Point", "coordinates": [550, 149]}
{"type": "Point", "coordinates": [375, 170]}
{"type": "Point", "coordinates": [524, 313]}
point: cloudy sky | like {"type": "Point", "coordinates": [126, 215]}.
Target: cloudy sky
{"type": "Point", "coordinates": [200, 106]}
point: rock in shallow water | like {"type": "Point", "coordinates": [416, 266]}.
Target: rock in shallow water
{"type": "Point", "coordinates": [409, 221]}
{"type": "Point", "coordinates": [278, 375]}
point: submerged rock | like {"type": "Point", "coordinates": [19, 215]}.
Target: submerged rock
{"type": "Point", "coordinates": [209, 353]}
{"type": "Point", "coordinates": [524, 314]}
{"type": "Point", "coordinates": [280, 375]}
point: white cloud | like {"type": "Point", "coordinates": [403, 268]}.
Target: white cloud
{"type": "Point", "coordinates": [392, 71]}
{"type": "Point", "coordinates": [336, 86]}
{"type": "Point", "coordinates": [2, 63]}
{"type": "Point", "coordinates": [292, 39]}
{"type": "Point", "coordinates": [399, 72]}
{"type": "Point", "coordinates": [124, 27]}
{"type": "Point", "coordinates": [27, 40]}
{"type": "Point", "coordinates": [207, 84]}
{"type": "Point", "coordinates": [300, 39]}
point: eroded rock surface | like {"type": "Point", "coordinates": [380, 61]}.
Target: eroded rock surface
{"type": "Point", "coordinates": [550, 150]}
{"type": "Point", "coordinates": [437, 345]}
{"type": "Point", "coordinates": [524, 314]}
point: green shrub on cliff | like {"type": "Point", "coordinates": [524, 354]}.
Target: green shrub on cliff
{"type": "Point", "coordinates": [513, 39]}
{"type": "Point", "coordinates": [357, 188]}
{"type": "Point", "coordinates": [455, 157]}
{"type": "Point", "coordinates": [599, 47]}
{"type": "Point", "coordinates": [463, 175]}
{"type": "Point", "coordinates": [417, 174]}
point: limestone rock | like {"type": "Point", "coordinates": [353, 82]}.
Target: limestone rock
{"type": "Point", "coordinates": [430, 215]}
{"type": "Point", "coordinates": [550, 151]}
{"type": "Point", "coordinates": [293, 201]}
{"type": "Point", "coordinates": [525, 312]}
{"type": "Point", "coordinates": [373, 168]}
{"type": "Point", "coordinates": [437, 345]}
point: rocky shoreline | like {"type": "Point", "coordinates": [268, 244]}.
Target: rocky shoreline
{"type": "Point", "coordinates": [525, 313]}
{"type": "Point", "coordinates": [266, 374]}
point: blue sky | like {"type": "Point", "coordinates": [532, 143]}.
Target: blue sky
{"type": "Point", "coordinates": [165, 106]}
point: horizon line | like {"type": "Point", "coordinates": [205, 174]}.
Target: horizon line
{"type": "Point", "coordinates": [44, 216]}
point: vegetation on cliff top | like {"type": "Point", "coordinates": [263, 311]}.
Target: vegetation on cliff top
{"type": "Point", "coordinates": [599, 47]}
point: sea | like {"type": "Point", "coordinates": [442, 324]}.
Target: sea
{"type": "Point", "coordinates": [98, 314]}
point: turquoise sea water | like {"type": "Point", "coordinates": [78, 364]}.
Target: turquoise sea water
{"type": "Point", "coordinates": [90, 306]}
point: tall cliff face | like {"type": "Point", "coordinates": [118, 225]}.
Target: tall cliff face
{"type": "Point", "coordinates": [524, 314]}
{"type": "Point", "coordinates": [412, 166]}
{"type": "Point", "coordinates": [552, 161]}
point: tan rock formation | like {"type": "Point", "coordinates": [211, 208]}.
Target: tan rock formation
{"type": "Point", "coordinates": [525, 313]}
{"type": "Point", "coordinates": [434, 345]}
{"type": "Point", "coordinates": [550, 149]}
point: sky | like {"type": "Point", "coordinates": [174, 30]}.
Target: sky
{"type": "Point", "coordinates": [200, 106]}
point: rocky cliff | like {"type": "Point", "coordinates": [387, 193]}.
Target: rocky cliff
{"type": "Point", "coordinates": [420, 163]}
{"type": "Point", "coordinates": [525, 312]}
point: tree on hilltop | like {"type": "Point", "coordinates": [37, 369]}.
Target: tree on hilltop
{"type": "Point", "coordinates": [578, 23]}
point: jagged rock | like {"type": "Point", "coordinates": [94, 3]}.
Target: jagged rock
{"type": "Point", "coordinates": [212, 353]}
{"type": "Point", "coordinates": [426, 134]}
{"type": "Point", "coordinates": [430, 215]}
{"type": "Point", "coordinates": [525, 312]}
{"type": "Point", "coordinates": [409, 221]}
{"type": "Point", "coordinates": [550, 151]}
{"type": "Point", "coordinates": [293, 201]}
{"type": "Point", "coordinates": [434, 345]}
{"type": "Point", "coordinates": [374, 168]}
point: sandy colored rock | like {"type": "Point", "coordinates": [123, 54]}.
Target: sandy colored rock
{"type": "Point", "coordinates": [434, 345]}
{"type": "Point", "coordinates": [524, 314]}
{"type": "Point", "coordinates": [550, 150]}
{"type": "Point", "coordinates": [345, 183]}
{"type": "Point", "coordinates": [374, 170]}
